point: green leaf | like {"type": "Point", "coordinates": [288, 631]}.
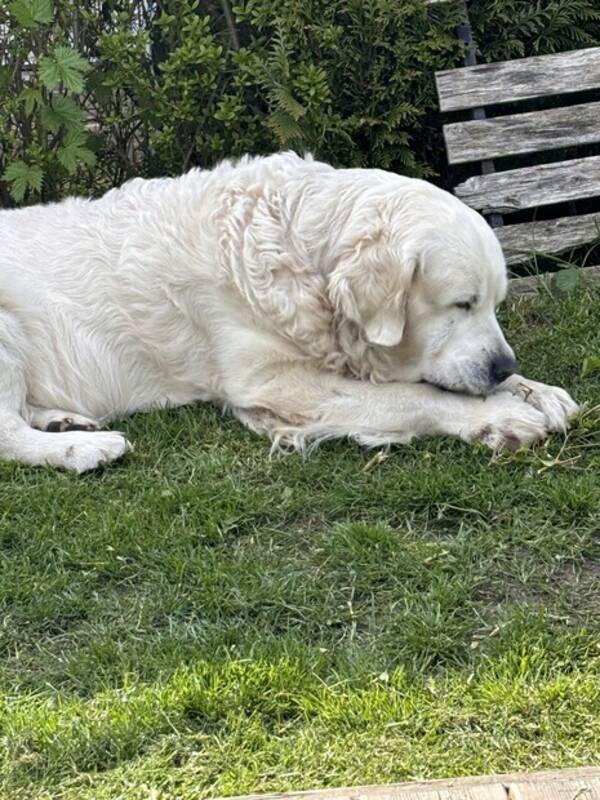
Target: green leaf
{"type": "Point", "coordinates": [284, 126]}
{"type": "Point", "coordinates": [23, 177]}
{"type": "Point", "coordinates": [5, 76]}
{"type": "Point", "coordinates": [63, 66]}
{"type": "Point", "coordinates": [287, 102]}
{"type": "Point", "coordinates": [30, 98]}
{"type": "Point", "coordinates": [568, 279]}
{"type": "Point", "coordinates": [73, 150]}
{"type": "Point", "coordinates": [590, 364]}
{"type": "Point", "coordinates": [30, 13]}
{"type": "Point", "coordinates": [62, 112]}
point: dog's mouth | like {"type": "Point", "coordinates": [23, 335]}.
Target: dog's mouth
{"type": "Point", "coordinates": [457, 388]}
{"type": "Point", "coordinates": [474, 379]}
{"type": "Point", "coordinates": [440, 386]}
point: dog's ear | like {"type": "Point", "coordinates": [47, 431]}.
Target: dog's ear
{"type": "Point", "coordinates": [369, 285]}
{"type": "Point", "coordinates": [386, 328]}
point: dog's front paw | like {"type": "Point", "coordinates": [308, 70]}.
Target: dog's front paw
{"type": "Point", "coordinates": [555, 403]}
{"type": "Point", "coordinates": [79, 451]}
{"type": "Point", "coordinates": [504, 421]}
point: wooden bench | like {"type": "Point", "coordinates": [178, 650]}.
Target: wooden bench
{"type": "Point", "coordinates": [482, 138]}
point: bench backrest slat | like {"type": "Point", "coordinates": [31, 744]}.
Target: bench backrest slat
{"type": "Point", "coordinates": [532, 132]}
{"type": "Point", "coordinates": [486, 139]}
{"type": "Point", "coordinates": [547, 236]}
{"type": "Point", "coordinates": [530, 187]}
{"type": "Point", "coordinates": [521, 79]}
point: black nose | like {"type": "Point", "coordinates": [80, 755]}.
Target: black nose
{"type": "Point", "coordinates": [501, 368]}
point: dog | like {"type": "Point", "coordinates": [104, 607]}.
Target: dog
{"type": "Point", "coordinates": [311, 302]}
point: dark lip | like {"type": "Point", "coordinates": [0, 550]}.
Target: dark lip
{"type": "Point", "coordinates": [441, 387]}
{"type": "Point", "coordinates": [444, 388]}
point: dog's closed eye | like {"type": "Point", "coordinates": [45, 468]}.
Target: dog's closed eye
{"type": "Point", "coordinates": [467, 305]}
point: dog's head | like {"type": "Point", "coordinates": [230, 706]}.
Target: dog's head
{"type": "Point", "coordinates": [422, 275]}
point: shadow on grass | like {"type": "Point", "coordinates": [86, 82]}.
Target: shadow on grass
{"type": "Point", "coordinates": [203, 619]}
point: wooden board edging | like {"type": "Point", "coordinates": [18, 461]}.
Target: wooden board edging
{"type": "Point", "coordinates": [579, 783]}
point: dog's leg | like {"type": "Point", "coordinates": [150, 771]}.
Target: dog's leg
{"type": "Point", "coordinates": [74, 450]}
{"type": "Point", "coordinates": [320, 405]}
{"type": "Point", "coordinates": [555, 403]}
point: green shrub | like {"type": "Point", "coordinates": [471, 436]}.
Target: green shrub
{"type": "Point", "coordinates": [43, 139]}
{"type": "Point", "coordinates": [95, 92]}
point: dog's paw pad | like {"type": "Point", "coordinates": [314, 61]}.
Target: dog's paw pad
{"type": "Point", "coordinates": [71, 424]}
{"type": "Point", "coordinates": [499, 439]}
{"type": "Point", "coordinates": [62, 422]}
{"type": "Point", "coordinates": [509, 423]}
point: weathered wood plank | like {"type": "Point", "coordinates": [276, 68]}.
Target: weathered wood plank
{"type": "Point", "coordinates": [490, 791]}
{"type": "Point", "coordinates": [520, 79]}
{"type": "Point", "coordinates": [523, 240]}
{"type": "Point", "coordinates": [550, 129]}
{"type": "Point", "coordinates": [559, 790]}
{"type": "Point", "coordinates": [529, 187]}
{"type": "Point", "coordinates": [397, 791]}
{"type": "Point", "coordinates": [531, 284]}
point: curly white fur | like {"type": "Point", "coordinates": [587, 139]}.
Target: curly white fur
{"type": "Point", "coordinates": [312, 302]}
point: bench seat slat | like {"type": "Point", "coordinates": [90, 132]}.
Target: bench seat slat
{"type": "Point", "coordinates": [529, 187]}
{"type": "Point", "coordinates": [550, 129]}
{"type": "Point", "coordinates": [521, 79]}
{"type": "Point", "coordinates": [521, 241]}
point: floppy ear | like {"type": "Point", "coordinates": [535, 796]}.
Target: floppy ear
{"type": "Point", "coordinates": [386, 328]}
{"type": "Point", "coordinates": [369, 286]}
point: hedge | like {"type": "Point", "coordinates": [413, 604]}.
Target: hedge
{"type": "Point", "coordinates": [95, 92]}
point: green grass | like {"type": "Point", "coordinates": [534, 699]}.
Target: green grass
{"type": "Point", "coordinates": [202, 620]}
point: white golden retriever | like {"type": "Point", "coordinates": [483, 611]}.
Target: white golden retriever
{"type": "Point", "coordinates": [313, 302]}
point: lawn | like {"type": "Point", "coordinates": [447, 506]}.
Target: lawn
{"type": "Point", "coordinates": [200, 620]}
